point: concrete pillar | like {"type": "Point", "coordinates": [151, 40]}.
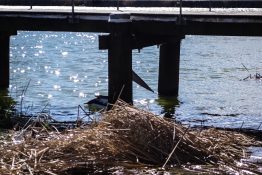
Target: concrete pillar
{"type": "Point", "coordinates": [4, 59]}
{"type": "Point", "coordinates": [120, 58]}
{"type": "Point", "coordinates": [168, 80]}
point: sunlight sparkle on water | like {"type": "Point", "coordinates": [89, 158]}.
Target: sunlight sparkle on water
{"type": "Point", "coordinates": [57, 87]}
{"type": "Point", "coordinates": [41, 95]}
{"type": "Point", "coordinates": [47, 67]}
{"type": "Point", "coordinates": [151, 101]}
{"type": "Point", "coordinates": [97, 94]}
{"type": "Point", "coordinates": [82, 94]}
{"type": "Point", "coordinates": [74, 78]}
{"type": "Point", "coordinates": [64, 53]}
{"type": "Point", "coordinates": [39, 47]}
{"type": "Point", "coordinates": [142, 101]}
{"type": "Point", "coordinates": [57, 72]}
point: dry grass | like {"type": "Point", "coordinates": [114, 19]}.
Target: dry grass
{"type": "Point", "coordinates": [124, 133]}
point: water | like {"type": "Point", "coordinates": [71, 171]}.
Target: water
{"type": "Point", "coordinates": [65, 70]}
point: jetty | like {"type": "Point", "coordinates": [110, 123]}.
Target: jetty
{"type": "Point", "coordinates": [126, 28]}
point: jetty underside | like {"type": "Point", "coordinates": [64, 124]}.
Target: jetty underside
{"type": "Point", "coordinates": [127, 29]}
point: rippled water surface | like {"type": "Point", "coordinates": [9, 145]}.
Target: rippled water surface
{"type": "Point", "coordinates": [65, 70]}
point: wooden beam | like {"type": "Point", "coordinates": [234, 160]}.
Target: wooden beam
{"type": "Point", "coordinates": [119, 59]}
{"type": "Point", "coordinates": [137, 41]}
{"type": "Point", "coordinates": [4, 58]}
{"type": "Point", "coordinates": [168, 81]}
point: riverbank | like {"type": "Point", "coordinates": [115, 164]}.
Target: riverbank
{"type": "Point", "coordinates": [127, 136]}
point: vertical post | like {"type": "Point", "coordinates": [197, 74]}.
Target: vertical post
{"type": "Point", "coordinates": [31, 5]}
{"type": "Point", "coordinates": [73, 9]}
{"type": "Point", "coordinates": [168, 80]}
{"type": "Point", "coordinates": [209, 5]}
{"type": "Point", "coordinates": [120, 58]}
{"type": "Point", "coordinates": [180, 7]}
{"type": "Point", "coordinates": [117, 8]}
{"type": "Point", "coordinates": [180, 12]}
{"type": "Point", "coordinates": [4, 59]}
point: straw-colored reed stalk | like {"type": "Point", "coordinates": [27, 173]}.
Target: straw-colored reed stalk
{"type": "Point", "coordinates": [124, 133]}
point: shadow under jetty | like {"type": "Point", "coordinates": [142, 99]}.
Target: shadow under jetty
{"type": "Point", "coordinates": [7, 106]}
{"type": "Point", "coordinates": [168, 105]}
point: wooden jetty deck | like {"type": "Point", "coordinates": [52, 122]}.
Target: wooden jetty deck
{"type": "Point", "coordinates": [127, 29]}
{"type": "Point", "coordinates": [90, 19]}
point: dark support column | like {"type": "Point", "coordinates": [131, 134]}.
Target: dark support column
{"type": "Point", "coordinates": [120, 58]}
{"type": "Point", "coordinates": [4, 60]}
{"type": "Point", "coordinates": [168, 80]}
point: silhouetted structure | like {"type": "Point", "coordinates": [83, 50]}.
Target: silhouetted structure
{"type": "Point", "coordinates": [128, 31]}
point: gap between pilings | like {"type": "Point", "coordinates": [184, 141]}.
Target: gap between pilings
{"type": "Point", "coordinates": [120, 42]}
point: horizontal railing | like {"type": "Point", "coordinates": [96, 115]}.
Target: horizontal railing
{"type": "Point", "coordinates": [141, 3]}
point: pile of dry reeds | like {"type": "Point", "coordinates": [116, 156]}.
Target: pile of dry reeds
{"type": "Point", "coordinates": [151, 139]}
{"type": "Point", "coordinates": [123, 134]}
{"type": "Point", "coordinates": [156, 140]}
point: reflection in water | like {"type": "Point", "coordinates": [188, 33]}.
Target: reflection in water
{"type": "Point", "coordinates": [6, 102]}
{"type": "Point", "coordinates": [168, 105]}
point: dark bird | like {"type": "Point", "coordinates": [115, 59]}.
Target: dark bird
{"type": "Point", "coordinates": [101, 101]}
{"type": "Point", "coordinates": [98, 103]}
